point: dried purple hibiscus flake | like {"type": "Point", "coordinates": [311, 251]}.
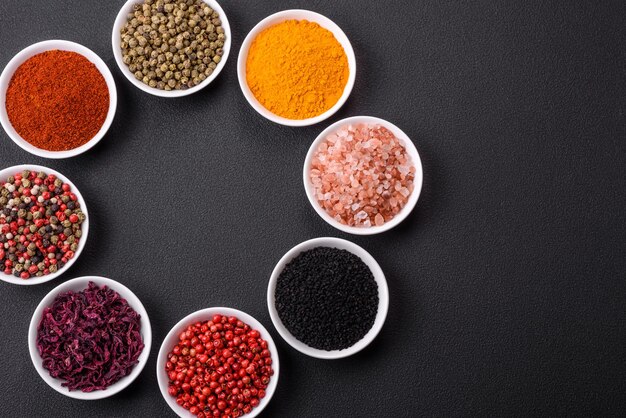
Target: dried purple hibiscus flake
{"type": "Point", "coordinates": [90, 339]}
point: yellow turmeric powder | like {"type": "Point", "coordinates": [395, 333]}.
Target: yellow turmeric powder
{"type": "Point", "coordinates": [297, 69]}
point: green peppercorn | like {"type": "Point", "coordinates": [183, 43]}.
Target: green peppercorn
{"type": "Point", "coordinates": [163, 38]}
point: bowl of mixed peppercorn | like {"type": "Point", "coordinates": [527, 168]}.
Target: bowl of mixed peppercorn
{"type": "Point", "coordinates": [43, 224]}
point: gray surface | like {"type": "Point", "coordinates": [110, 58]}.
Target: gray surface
{"type": "Point", "coordinates": [506, 283]}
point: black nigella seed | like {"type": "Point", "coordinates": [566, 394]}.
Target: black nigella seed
{"type": "Point", "coordinates": [327, 298]}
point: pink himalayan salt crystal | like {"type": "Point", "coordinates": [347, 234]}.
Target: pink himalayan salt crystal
{"type": "Point", "coordinates": [362, 175]}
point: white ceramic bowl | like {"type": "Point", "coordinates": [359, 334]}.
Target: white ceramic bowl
{"type": "Point", "coordinates": [76, 285]}
{"type": "Point", "coordinates": [417, 182]}
{"type": "Point", "coordinates": [272, 20]}
{"type": "Point", "coordinates": [383, 297]}
{"type": "Point", "coordinates": [4, 174]}
{"type": "Point", "coordinates": [38, 48]}
{"type": "Point", "coordinates": [116, 40]}
{"type": "Point", "coordinates": [205, 315]}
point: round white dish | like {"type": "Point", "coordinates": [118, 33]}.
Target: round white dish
{"type": "Point", "coordinates": [78, 284]}
{"type": "Point", "coordinates": [172, 339]}
{"type": "Point", "coordinates": [417, 181]}
{"type": "Point", "coordinates": [383, 297]}
{"type": "Point", "coordinates": [295, 14]}
{"type": "Point", "coordinates": [116, 41]}
{"type": "Point", "coordinates": [9, 171]}
{"type": "Point", "coordinates": [38, 48]}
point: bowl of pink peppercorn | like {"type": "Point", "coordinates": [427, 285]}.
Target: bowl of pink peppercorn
{"type": "Point", "coordinates": [235, 360]}
{"type": "Point", "coordinates": [363, 175]}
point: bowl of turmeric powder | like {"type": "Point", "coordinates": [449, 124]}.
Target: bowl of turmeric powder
{"type": "Point", "coordinates": [296, 67]}
{"type": "Point", "coordinates": [57, 99]}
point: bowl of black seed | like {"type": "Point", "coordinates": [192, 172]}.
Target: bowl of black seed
{"type": "Point", "coordinates": [328, 298]}
{"type": "Point", "coordinates": [171, 48]}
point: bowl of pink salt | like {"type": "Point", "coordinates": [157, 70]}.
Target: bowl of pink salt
{"type": "Point", "coordinates": [363, 175]}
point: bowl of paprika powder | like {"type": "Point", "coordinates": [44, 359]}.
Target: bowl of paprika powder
{"type": "Point", "coordinates": [57, 99]}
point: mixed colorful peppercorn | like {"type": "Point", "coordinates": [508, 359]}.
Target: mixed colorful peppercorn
{"type": "Point", "coordinates": [219, 368]}
{"type": "Point", "coordinates": [40, 224]}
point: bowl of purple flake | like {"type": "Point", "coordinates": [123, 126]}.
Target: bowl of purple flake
{"type": "Point", "coordinates": [89, 338]}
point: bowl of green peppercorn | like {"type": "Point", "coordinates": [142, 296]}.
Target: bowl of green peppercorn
{"type": "Point", "coordinates": [171, 48]}
{"type": "Point", "coordinates": [43, 224]}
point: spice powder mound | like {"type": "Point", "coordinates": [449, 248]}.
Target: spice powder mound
{"type": "Point", "coordinates": [297, 69]}
{"type": "Point", "coordinates": [57, 100]}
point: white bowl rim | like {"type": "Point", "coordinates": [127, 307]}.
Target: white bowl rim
{"type": "Point", "coordinates": [298, 14]}
{"type": "Point", "coordinates": [120, 20]}
{"type": "Point", "coordinates": [62, 45]}
{"type": "Point", "coordinates": [383, 297]}
{"type": "Point", "coordinates": [9, 171]}
{"type": "Point", "coordinates": [417, 181]}
{"type": "Point", "coordinates": [133, 301]}
{"type": "Point", "coordinates": [207, 313]}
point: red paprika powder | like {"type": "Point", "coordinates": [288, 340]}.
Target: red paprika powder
{"type": "Point", "coordinates": [57, 100]}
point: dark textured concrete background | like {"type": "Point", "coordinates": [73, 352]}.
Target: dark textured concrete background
{"type": "Point", "coordinates": [507, 282]}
